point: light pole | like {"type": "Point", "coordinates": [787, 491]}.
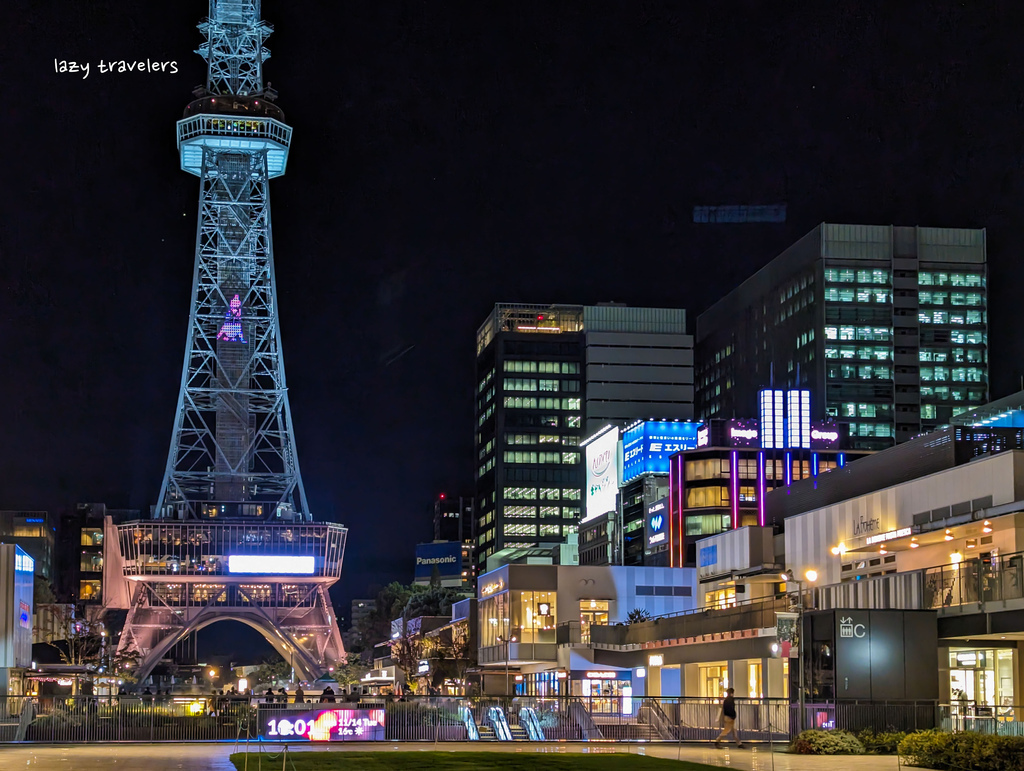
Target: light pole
{"type": "Point", "coordinates": [810, 576]}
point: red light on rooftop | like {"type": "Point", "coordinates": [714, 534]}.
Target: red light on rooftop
{"type": "Point", "coordinates": [442, 496]}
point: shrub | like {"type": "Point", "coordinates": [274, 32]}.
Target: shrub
{"type": "Point", "coordinates": [954, 751]}
{"type": "Point", "coordinates": [813, 742]}
{"type": "Point", "coordinates": [884, 743]}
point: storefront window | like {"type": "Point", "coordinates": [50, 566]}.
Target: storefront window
{"type": "Point", "coordinates": [533, 617]}
{"type": "Point", "coordinates": [753, 680]}
{"type": "Point", "coordinates": [713, 679]}
{"type": "Point", "coordinates": [720, 598]}
{"type": "Point", "coordinates": [605, 694]}
{"type": "Point", "coordinates": [981, 679]}
{"type": "Point", "coordinates": [592, 612]}
{"type": "Point", "coordinates": [494, 620]}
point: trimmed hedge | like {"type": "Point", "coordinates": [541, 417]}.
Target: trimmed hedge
{"type": "Point", "coordinates": [813, 742]}
{"type": "Point", "coordinates": [965, 750]}
{"type": "Point", "coordinates": [883, 743]}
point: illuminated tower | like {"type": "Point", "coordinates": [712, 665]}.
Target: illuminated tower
{"type": "Point", "coordinates": [233, 536]}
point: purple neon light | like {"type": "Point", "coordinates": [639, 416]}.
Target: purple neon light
{"type": "Point", "coordinates": [231, 329]}
{"type": "Point", "coordinates": [814, 464]}
{"type": "Point", "coordinates": [761, 488]}
{"type": "Point", "coordinates": [735, 472]}
{"type": "Point", "coordinates": [789, 469]}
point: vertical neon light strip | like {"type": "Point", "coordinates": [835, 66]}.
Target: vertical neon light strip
{"type": "Point", "coordinates": [814, 464]}
{"type": "Point", "coordinates": [681, 523]}
{"type": "Point", "coordinates": [842, 460]}
{"type": "Point", "coordinates": [789, 468]}
{"type": "Point", "coordinates": [761, 488]}
{"type": "Point", "coordinates": [735, 471]}
{"type": "Point", "coordinates": [673, 491]}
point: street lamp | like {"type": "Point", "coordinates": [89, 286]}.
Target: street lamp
{"type": "Point", "coordinates": [809, 577]}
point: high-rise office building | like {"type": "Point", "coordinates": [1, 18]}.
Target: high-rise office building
{"type": "Point", "coordinates": [453, 518]}
{"type": "Point", "coordinates": [80, 550]}
{"type": "Point", "coordinates": [33, 532]}
{"type": "Point", "coordinates": [886, 326]}
{"type": "Point", "coordinates": [548, 375]}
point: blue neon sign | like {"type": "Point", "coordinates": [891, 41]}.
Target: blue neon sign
{"type": "Point", "coordinates": [647, 446]}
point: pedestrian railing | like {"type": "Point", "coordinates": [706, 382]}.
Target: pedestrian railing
{"type": "Point", "coordinates": [1004, 720]}
{"type": "Point", "coordinates": [460, 719]}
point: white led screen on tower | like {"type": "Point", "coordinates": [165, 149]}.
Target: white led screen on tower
{"type": "Point", "coordinates": [270, 564]}
{"type": "Point", "coordinates": [602, 474]}
{"type": "Point", "coordinates": [798, 419]}
{"type": "Point", "coordinates": [772, 419]}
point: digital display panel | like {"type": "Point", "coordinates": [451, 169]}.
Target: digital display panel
{"type": "Point", "coordinates": [647, 446]}
{"type": "Point", "coordinates": [656, 524]}
{"type": "Point", "coordinates": [826, 436]}
{"type": "Point", "coordinates": [324, 725]}
{"type": "Point", "coordinates": [231, 329]}
{"type": "Point", "coordinates": [270, 564]}
{"type": "Point", "coordinates": [602, 474]}
{"type": "Point", "coordinates": [742, 433]}
{"type": "Point", "coordinates": [446, 557]}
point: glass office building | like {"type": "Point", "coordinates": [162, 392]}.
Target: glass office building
{"type": "Point", "coordinates": [547, 377]}
{"type": "Point", "coordinates": [887, 327]}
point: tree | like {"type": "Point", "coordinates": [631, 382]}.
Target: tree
{"type": "Point", "coordinates": [454, 652]}
{"type": "Point", "coordinates": [433, 601]}
{"type": "Point", "coordinates": [270, 671]}
{"type": "Point", "coordinates": [82, 641]}
{"type": "Point", "coordinates": [351, 671]}
{"type": "Point", "coordinates": [375, 627]}
{"type": "Point", "coordinates": [637, 615]}
{"type": "Point", "coordinates": [42, 592]}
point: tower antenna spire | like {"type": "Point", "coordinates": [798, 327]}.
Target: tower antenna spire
{"type": "Point", "coordinates": [234, 49]}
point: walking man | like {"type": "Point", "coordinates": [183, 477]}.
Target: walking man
{"type": "Point", "coordinates": [727, 719]}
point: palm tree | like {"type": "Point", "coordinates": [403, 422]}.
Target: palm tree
{"type": "Point", "coordinates": [637, 615]}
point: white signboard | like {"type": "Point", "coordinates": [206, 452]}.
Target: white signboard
{"type": "Point", "coordinates": [602, 474]}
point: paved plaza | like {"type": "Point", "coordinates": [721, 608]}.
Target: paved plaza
{"type": "Point", "coordinates": [214, 757]}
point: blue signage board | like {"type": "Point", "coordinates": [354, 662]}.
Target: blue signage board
{"type": "Point", "coordinates": [446, 557]}
{"type": "Point", "coordinates": [647, 446]}
{"type": "Point", "coordinates": [708, 555]}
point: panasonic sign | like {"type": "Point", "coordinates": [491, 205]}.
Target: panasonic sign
{"type": "Point", "coordinates": [444, 557]}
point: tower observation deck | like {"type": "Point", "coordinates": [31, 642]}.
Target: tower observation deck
{"type": "Point", "coordinates": [232, 535]}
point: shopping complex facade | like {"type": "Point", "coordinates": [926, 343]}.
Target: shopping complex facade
{"type": "Point", "coordinates": [905, 583]}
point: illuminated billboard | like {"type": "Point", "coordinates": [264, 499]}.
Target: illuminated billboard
{"type": "Point", "coordinates": [656, 523]}
{"type": "Point", "coordinates": [446, 557]}
{"type": "Point", "coordinates": [647, 446]}
{"type": "Point", "coordinates": [270, 565]}
{"type": "Point", "coordinates": [324, 725]}
{"type": "Point", "coordinates": [602, 474]}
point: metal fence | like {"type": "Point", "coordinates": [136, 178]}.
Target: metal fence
{"type": "Point", "coordinates": [456, 719]}
{"type": "Point", "coordinates": [879, 716]}
{"type": "Point", "coordinates": [1004, 720]}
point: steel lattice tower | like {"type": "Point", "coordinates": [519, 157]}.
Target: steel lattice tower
{"type": "Point", "coordinates": [233, 450]}
{"type": "Point", "coordinates": [232, 505]}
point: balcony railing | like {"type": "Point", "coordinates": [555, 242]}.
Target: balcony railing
{"type": "Point", "coordinates": [974, 582]}
{"type": "Point", "coordinates": [706, 621]}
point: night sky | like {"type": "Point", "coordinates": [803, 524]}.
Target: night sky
{"type": "Point", "coordinates": [448, 156]}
